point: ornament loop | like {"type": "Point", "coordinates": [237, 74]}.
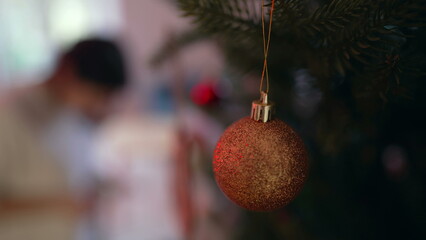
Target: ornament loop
{"type": "Point", "coordinates": [261, 110]}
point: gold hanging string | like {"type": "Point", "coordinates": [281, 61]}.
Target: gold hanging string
{"type": "Point", "coordinates": [266, 44]}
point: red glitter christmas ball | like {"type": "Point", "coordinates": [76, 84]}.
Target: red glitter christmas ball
{"type": "Point", "coordinates": [260, 166]}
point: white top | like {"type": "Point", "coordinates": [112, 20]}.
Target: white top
{"type": "Point", "coordinates": [43, 155]}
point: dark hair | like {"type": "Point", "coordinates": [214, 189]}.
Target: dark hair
{"type": "Point", "coordinates": [100, 62]}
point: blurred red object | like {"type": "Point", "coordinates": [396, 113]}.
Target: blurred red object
{"type": "Point", "coordinates": [204, 94]}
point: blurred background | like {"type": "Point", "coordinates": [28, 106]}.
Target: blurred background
{"type": "Point", "coordinates": [147, 154]}
{"type": "Point", "coordinates": [151, 156]}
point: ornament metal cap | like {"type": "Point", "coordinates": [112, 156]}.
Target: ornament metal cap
{"type": "Point", "coordinates": [261, 110]}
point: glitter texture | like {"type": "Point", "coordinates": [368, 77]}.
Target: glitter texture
{"type": "Point", "coordinates": [260, 166]}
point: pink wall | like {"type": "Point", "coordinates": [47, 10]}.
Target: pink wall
{"type": "Point", "coordinates": [147, 25]}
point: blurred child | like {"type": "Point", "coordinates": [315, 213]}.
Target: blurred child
{"type": "Point", "coordinates": [47, 184]}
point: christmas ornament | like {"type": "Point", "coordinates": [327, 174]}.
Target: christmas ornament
{"type": "Point", "coordinates": [260, 163]}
